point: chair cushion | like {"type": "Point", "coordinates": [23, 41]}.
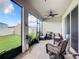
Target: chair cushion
{"type": "Point", "coordinates": [54, 49]}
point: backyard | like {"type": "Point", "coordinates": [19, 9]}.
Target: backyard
{"type": "Point", "coordinates": [9, 42]}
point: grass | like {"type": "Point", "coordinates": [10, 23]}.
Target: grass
{"type": "Point", "coordinates": [9, 42]}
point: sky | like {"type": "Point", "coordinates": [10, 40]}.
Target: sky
{"type": "Point", "coordinates": [10, 13]}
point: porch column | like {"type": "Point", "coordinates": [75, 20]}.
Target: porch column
{"type": "Point", "coordinates": [24, 29]}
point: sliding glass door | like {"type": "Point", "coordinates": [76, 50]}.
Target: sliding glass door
{"type": "Point", "coordinates": [71, 28]}
{"type": "Point", "coordinates": [74, 29]}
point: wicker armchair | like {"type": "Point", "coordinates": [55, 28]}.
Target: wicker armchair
{"type": "Point", "coordinates": [57, 37]}
{"type": "Point", "coordinates": [59, 50]}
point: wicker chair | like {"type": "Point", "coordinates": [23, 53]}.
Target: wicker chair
{"type": "Point", "coordinates": [57, 37]}
{"type": "Point", "coordinates": [58, 51]}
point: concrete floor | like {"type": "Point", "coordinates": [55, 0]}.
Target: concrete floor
{"type": "Point", "coordinates": [38, 51]}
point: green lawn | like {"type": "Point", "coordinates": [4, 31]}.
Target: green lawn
{"type": "Point", "coordinates": [9, 42]}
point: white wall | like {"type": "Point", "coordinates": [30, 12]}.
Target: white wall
{"type": "Point", "coordinates": [53, 25]}
{"type": "Point", "coordinates": [18, 29]}
{"type": "Point", "coordinates": [8, 31]}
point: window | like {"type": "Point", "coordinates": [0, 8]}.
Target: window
{"type": "Point", "coordinates": [10, 25]}
{"type": "Point", "coordinates": [32, 23]}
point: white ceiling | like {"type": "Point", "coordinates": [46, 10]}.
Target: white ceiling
{"type": "Point", "coordinates": [57, 6]}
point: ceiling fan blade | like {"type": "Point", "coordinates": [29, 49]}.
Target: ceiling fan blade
{"type": "Point", "coordinates": [51, 14]}
{"type": "Point", "coordinates": [46, 18]}
{"type": "Point", "coordinates": [55, 14]}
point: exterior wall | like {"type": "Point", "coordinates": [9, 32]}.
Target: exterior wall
{"type": "Point", "coordinates": [31, 29]}
{"type": "Point", "coordinates": [8, 31]}
{"type": "Point", "coordinates": [18, 29]}
{"type": "Point", "coordinates": [53, 25]}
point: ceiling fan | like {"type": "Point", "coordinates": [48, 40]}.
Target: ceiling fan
{"type": "Point", "coordinates": [51, 14]}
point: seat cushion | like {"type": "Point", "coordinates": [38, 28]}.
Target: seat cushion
{"type": "Point", "coordinates": [54, 49]}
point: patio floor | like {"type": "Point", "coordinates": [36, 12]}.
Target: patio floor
{"type": "Point", "coordinates": [38, 51]}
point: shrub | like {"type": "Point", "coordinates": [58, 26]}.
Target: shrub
{"type": "Point", "coordinates": [32, 37]}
